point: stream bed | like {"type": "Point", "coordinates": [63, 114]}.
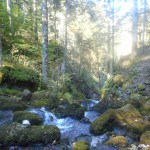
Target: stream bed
{"type": "Point", "coordinates": [71, 129]}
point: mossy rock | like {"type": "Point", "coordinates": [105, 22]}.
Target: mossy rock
{"type": "Point", "coordinates": [106, 104]}
{"type": "Point", "coordinates": [127, 117]}
{"type": "Point", "coordinates": [74, 110]}
{"type": "Point", "coordinates": [12, 104]}
{"type": "Point", "coordinates": [15, 134]}
{"type": "Point", "coordinates": [118, 141]}
{"type": "Point", "coordinates": [33, 118]}
{"type": "Point", "coordinates": [20, 77]}
{"type": "Point", "coordinates": [81, 145]}
{"type": "Point", "coordinates": [101, 124]}
{"type": "Point", "coordinates": [145, 138]}
{"type": "Point", "coordinates": [130, 118]}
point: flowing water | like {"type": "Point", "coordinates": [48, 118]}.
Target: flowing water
{"type": "Point", "coordinates": [71, 129]}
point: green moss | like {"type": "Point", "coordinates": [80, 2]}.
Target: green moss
{"type": "Point", "coordinates": [118, 141]}
{"type": "Point", "coordinates": [131, 119]}
{"type": "Point", "coordinates": [6, 91]}
{"type": "Point", "coordinates": [1, 77]}
{"type": "Point", "coordinates": [20, 76]}
{"type": "Point", "coordinates": [40, 103]}
{"type": "Point", "coordinates": [34, 119]}
{"type": "Point", "coordinates": [74, 110]}
{"type": "Point", "coordinates": [119, 80]}
{"type": "Point", "coordinates": [12, 104]}
{"type": "Point", "coordinates": [141, 87]}
{"type": "Point", "coordinates": [15, 134]}
{"type": "Point", "coordinates": [38, 95]}
{"type": "Point", "coordinates": [145, 138]}
{"type": "Point", "coordinates": [101, 124]}
{"type": "Point", "coordinates": [127, 117]}
{"type": "Point", "coordinates": [81, 145]}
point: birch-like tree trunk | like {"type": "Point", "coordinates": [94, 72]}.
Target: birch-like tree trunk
{"type": "Point", "coordinates": [144, 26]}
{"type": "Point", "coordinates": [63, 68]}
{"type": "Point", "coordinates": [24, 11]}
{"type": "Point", "coordinates": [112, 41]}
{"type": "Point", "coordinates": [0, 50]}
{"type": "Point", "coordinates": [9, 10]}
{"type": "Point", "coordinates": [45, 41]}
{"type": "Point", "coordinates": [134, 28]}
{"type": "Point", "coordinates": [35, 21]}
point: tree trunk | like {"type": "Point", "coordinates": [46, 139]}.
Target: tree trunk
{"type": "Point", "coordinates": [35, 21]}
{"type": "Point", "coordinates": [112, 47]}
{"type": "Point", "coordinates": [0, 50]}
{"type": "Point", "coordinates": [144, 27]}
{"type": "Point", "coordinates": [24, 12]}
{"type": "Point", "coordinates": [66, 33]}
{"type": "Point", "coordinates": [134, 28]}
{"type": "Point", "coordinates": [9, 10]}
{"type": "Point", "coordinates": [45, 41]}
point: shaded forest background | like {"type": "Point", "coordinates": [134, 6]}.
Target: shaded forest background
{"type": "Point", "coordinates": [70, 47]}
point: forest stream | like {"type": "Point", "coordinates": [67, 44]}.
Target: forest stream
{"type": "Point", "coordinates": [71, 129]}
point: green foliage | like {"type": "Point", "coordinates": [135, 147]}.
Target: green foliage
{"type": "Point", "coordinates": [34, 119]}
{"type": "Point", "coordinates": [111, 86]}
{"type": "Point", "coordinates": [6, 91]}
{"type": "Point", "coordinates": [20, 75]}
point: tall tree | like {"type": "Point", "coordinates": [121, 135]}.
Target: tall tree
{"type": "Point", "coordinates": [134, 27]}
{"type": "Point", "coordinates": [144, 26]}
{"type": "Point", "coordinates": [9, 10]}
{"type": "Point", "coordinates": [35, 21]}
{"type": "Point", "coordinates": [24, 11]}
{"type": "Point", "coordinates": [45, 41]}
{"type": "Point", "coordinates": [0, 49]}
{"type": "Point", "coordinates": [66, 39]}
{"type": "Point", "coordinates": [113, 39]}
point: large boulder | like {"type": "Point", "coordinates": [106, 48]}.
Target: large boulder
{"type": "Point", "coordinates": [73, 110]}
{"type": "Point", "coordinates": [127, 117]}
{"type": "Point", "coordinates": [103, 123]}
{"type": "Point", "coordinates": [33, 118]}
{"type": "Point", "coordinates": [118, 141]}
{"type": "Point", "coordinates": [15, 134]}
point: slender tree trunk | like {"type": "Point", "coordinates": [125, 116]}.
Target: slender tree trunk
{"type": "Point", "coordinates": [35, 21]}
{"type": "Point", "coordinates": [134, 28]}
{"type": "Point", "coordinates": [112, 47]}
{"type": "Point", "coordinates": [45, 41]}
{"type": "Point", "coordinates": [24, 11]}
{"type": "Point", "coordinates": [0, 50]}
{"type": "Point", "coordinates": [9, 10]}
{"type": "Point", "coordinates": [63, 70]}
{"type": "Point", "coordinates": [144, 26]}
{"type": "Point", "coordinates": [108, 49]}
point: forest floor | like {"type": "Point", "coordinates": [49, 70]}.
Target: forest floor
{"type": "Point", "coordinates": [137, 74]}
